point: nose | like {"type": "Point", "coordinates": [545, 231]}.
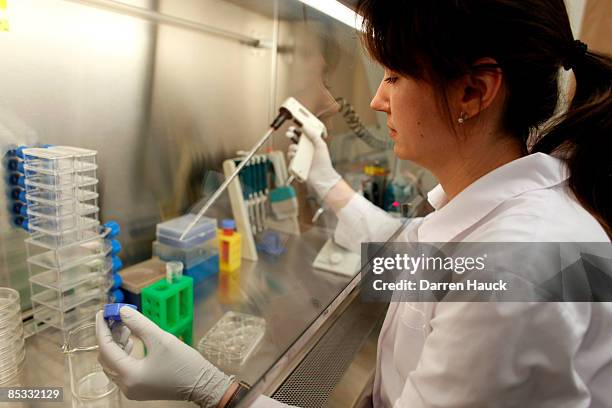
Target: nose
{"type": "Point", "coordinates": [380, 102]}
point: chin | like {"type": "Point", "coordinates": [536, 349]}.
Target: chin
{"type": "Point", "coordinates": [403, 153]}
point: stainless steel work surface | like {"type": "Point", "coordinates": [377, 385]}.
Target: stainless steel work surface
{"type": "Point", "coordinates": [285, 290]}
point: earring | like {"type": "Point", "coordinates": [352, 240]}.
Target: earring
{"type": "Point", "coordinates": [462, 118]}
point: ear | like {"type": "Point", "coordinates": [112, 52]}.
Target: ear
{"type": "Point", "coordinates": [480, 87]}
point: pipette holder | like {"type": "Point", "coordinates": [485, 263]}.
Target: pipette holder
{"type": "Point", "coordinates": [249, 198]}
{"type": "Point", "coordinates": [69, 271]}
{"type": "Point", "coordinates": [170, 306]}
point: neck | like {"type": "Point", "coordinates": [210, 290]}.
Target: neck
{"type": "Point", "coordinates": [469, 165]}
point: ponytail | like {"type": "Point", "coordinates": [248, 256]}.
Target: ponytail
{"type": "Point", "coordinates": [583, 135]}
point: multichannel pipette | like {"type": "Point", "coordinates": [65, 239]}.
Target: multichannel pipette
{"type": "Point", "coordinates": [299, 167]}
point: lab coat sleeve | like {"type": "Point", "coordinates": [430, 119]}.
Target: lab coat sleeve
{"type": "Point", "coordinates": [484, 354]}
{"type": "Point", "coordinates": [266, 402]}
{"type": "Point", "coordinates": [361, 221]}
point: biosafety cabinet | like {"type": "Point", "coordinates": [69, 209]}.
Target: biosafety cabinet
{"type": "Point", "coordinates": [165, 92]}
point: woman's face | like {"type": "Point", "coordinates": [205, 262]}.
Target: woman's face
{"type": "Point", "coordinates": [421, 134]}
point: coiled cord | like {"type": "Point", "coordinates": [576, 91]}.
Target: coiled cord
{"type": "Point", "coordinates": [354, 123]}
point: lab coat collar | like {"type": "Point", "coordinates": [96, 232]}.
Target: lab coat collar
{"type": "Point", "coordinates": [533, 172]}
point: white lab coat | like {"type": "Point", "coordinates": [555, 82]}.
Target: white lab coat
{"type": "Point", "coordinates": [491, 354]}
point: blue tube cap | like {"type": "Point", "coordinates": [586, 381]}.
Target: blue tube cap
{"type": "Point", "coordinates": [117, 281]}
{"type": "Point", "coordinates": [115, 247]}
{"type": "Point", "coordinates": [114, 227]}
{"type": "Point", "coordinates": [111, 311]}
{"type": "Point", "coordinates": [228, 224]}
{"type": "Point", "coordinates": [19, 151]}
{"type": "Point", "coordinates": [117, 296]}
{"type": "Point", "coordinates": [117, 264]}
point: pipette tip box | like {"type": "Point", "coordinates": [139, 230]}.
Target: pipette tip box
{"type": "Point", "coordinates": [170, 232]}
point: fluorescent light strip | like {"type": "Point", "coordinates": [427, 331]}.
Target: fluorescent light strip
{"type": "Point", "coordinates": [337, 11]}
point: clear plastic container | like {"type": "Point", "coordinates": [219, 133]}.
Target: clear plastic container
{"type": "Point", "coordinates": [188, 256]}
{"type": "Point", "coordinates": [64, 225]}
{"type": "Point", "coordinates": [67, 195]}
{"type": "Point", "coordinates": [59, 158]}
{"type": "Point", "coordinates": [59, 181]}
{"type": "Point", "coordinates": [47, 256]}
{"type": "Point", "coordinates": [87, 379]}
{"type": "Point", "coordinates": [232, 339]}
{"type": "Point", "coordinates": [54, 183]}
{"type": "Point", "coordinates": [64, 279]}
{"type": "Point", "coordinates": [83, 157]}
{"type": "Point", "coordinates": [71, 319]}
{"type": "Point", "coordinates": [169, 232]}
{"type": "Point", "coordinates": [60, 240]}
{"type": "Point", "coordinates": [47, 159]}
{"type": "Point", "coordinates": [63, 209]}
{"type": "Point", "coordinates": [73, 297]}
{"type": "Point", "coordinates": [66, 205]}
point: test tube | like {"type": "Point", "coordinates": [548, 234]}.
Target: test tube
{"type": "Point", "coordinates": [174, 271]}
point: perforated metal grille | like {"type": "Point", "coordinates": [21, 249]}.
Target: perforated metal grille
{"type": "Point", "coordinates": [312, 382]}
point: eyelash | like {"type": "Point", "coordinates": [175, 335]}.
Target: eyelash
{"type": "Point", "coordinates": [391, 80]}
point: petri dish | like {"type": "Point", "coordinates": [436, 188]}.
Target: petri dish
{"type": "Point", "coordinates": [12, 359]}
{"type": "Point", "coordinates": [9, 374]}
{"type": "Point", "coordinates": [9, 300]}
{"type": "Point", "coordinates": [6, 336]}
{"type": "Point", "coordinates": [9, 330]}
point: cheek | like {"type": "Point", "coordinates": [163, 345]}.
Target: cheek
{"type": "Point", "coordinates": [411, 110]}
{"type": "Point", "coordinates": [420, 130]}
{"type": "Point", "coordinates": [410, 120]}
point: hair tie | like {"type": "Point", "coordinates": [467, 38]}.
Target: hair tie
{"type": "Point", "coordinates": [575, 53]}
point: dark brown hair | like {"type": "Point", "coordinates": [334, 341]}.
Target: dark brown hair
{"type": "Point", "coordinates": [439, 41]}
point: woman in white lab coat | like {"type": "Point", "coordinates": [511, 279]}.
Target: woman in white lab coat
{"type": "Point", "coordinates": [469, 89]}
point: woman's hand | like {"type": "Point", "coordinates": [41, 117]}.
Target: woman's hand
{"type": "Point", "coordinates": [171, 370]}
{"type": "Point", "coordinates": [322, 176]}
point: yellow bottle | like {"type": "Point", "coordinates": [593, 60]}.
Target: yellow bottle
{"type": "Point", "coordinates": [229, 247]}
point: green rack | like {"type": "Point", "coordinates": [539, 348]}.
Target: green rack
{"type": "Point", "coordinates": [170, 306]}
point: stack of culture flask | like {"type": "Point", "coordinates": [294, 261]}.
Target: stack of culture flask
{"type": "Point", "coordinates": [69, 269]}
